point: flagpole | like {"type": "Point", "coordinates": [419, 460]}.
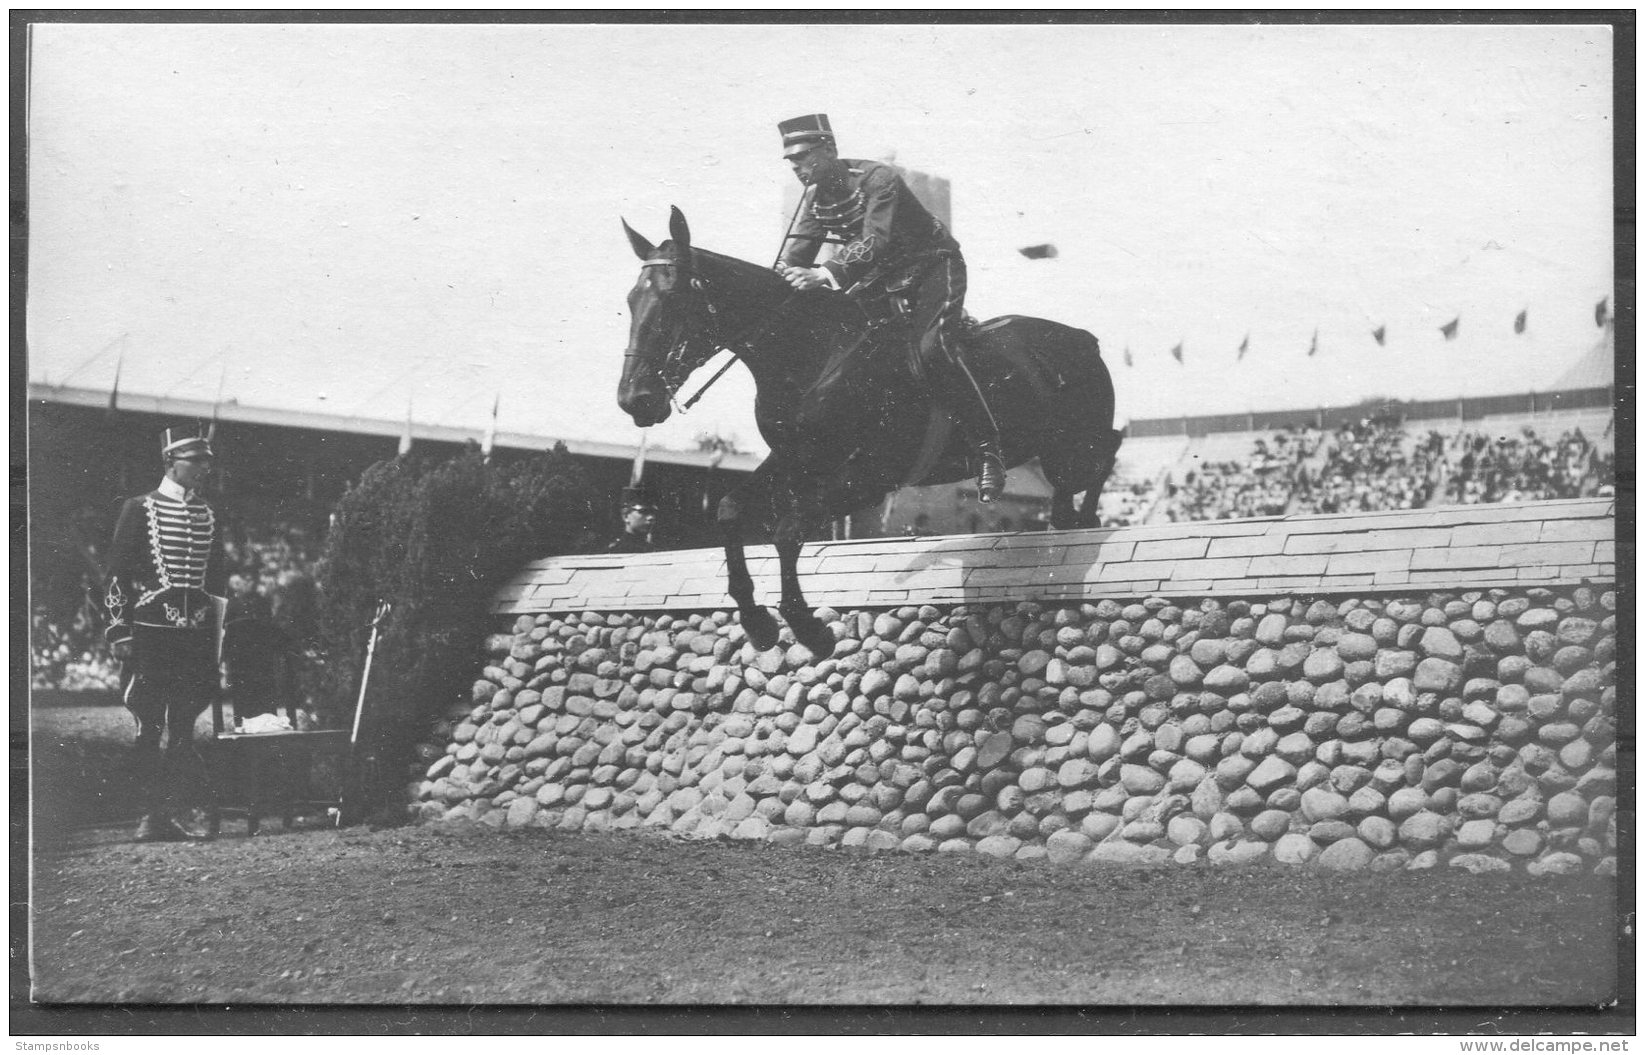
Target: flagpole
{"type": "Point", "coordinates": [216, 404]}
{"type": "Point", "coordinates": [405, 436]}
{"type": "Point", "coordinates": [638, 471]}
{"type": "Point", "coordinates": [491, 430]}
{"type": "Point", "coordinates": [114, 393]}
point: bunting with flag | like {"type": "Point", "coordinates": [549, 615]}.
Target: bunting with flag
{"type": "Point", "coordinates": [1519, 320]}
{"type": "Point", "coordinates": [1244, 346]}
{"type": "Point", "coordinates": [490, 440]}
{"type": "Point", "coordinates": [1176, 353]}
{"type": "Point", "coordinates": [1380, 334]}
{"type": "Point", "coordinates": [1450, 328]}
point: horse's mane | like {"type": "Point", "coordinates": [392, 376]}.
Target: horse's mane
{"type": "Point", "coordinates": [825, 307]}
{"type": "Point", "coordinates": [763, 280]}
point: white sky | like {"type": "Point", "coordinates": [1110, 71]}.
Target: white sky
{"type": "Point", "coordinates": [349, 217]}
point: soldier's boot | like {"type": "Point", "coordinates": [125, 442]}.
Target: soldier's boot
{"type": "Point", "coordinates": [978, 424]}
{"type": "Point", "coordinates": [156, 826]}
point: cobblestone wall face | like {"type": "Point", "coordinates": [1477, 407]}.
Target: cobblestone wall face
{"type": "Point", "coordinates": [1472, 730]}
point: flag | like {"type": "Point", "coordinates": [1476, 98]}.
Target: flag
{"type": "Point", "coordinates": [638, 471]}
{"type": "Point", "coordinates": [490, 440]}
{"type": "Point", "coordinates": [1450, 328]}
{"type": "Point", "coordinates": [114, 393]}
{"type": "Point", "coordinates": [1128, 355]}
{"type": "Point", "coordinates": [1313, 345]}
{"type": "Point", "coordinates": [1519, 321]}
{"type": "Point", "coordinates": [1380, 333]}
{"type": "Point", "coordinates": [1602, 311]}
{"type": "Point", "coordinates": [1244, 346]}
{"type": "Point", "coordinates": [1176, 353]}
{"type": "Point", "coordinates": [1047, 251]}
{"type": "Point", "coordinates": [405, 433]}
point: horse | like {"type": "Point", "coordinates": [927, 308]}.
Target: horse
{"type": "Point", "coordinates": [838, 402]}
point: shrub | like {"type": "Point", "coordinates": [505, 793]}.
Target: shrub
{"type": "Point", "coordinates": [434, 540]}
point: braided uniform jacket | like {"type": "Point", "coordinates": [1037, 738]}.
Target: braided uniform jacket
{"type": "Point", "coordinates": [880, 222]}
{"type": "Point", "coordinates": [166, 566]}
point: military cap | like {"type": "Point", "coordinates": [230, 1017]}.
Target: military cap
{"type": "Point", "coordinates": [180, 442]}
{"type": "Point", "coordinates": [638, 498]}
{"type": "Point", "coordinates": [808, 129]}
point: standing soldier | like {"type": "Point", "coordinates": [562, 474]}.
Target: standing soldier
{"type": "Point", "coordinates": [889, 244]}
{"type": "Point", "coordinates": [639, 518]}
{"type": "Point", "coordinates": [165, 598]}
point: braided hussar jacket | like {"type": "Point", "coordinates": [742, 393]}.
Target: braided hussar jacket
{"type": "Point", "coordinates": [166, 567]}
{"type": "Point", "coordinates": [880, 225]}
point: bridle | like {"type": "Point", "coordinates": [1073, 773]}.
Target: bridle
{"type": "Point", "coordinates": [679, 362]}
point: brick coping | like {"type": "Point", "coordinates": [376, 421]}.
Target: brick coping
{"type": "Point", "coordinates": [1530, 543]}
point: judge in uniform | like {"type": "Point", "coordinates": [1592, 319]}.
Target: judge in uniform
{"type": "Point", "coordinates": [639, 518]}
{"type": "Point", "coordinates": [165, 596]}
{"type": "Point", "coordinates": [888, 243]}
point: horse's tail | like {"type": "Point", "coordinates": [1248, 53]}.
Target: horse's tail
{"type": "Point", "coordinates": [1108, 438]}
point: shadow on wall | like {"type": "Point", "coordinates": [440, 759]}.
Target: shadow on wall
{"type": "Point", "coordinates": [962, 568]}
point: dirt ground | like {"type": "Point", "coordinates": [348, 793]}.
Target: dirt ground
{"type": "Point", "coordinates": [466, 915]}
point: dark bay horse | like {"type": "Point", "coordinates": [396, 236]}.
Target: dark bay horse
{"type": "Point", "coordinates": [836, 400]}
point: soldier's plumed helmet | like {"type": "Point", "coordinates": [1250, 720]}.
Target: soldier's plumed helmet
{"type": "Point", "coordinates": [812, 128]}
{"type": "Point", "coordinates": [179, 442]}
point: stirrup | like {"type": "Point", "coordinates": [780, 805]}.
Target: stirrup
{"type": "Point", "coordinates": [990, 473]}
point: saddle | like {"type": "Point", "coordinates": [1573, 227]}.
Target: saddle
{"type": "Point", "coordinates": [886, 304]}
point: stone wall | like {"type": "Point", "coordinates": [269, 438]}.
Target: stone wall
{"type": "Point", "coordinates": [1470, 728]}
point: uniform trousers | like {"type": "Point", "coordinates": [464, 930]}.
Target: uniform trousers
{"type": "Point", "coordinates": [936, 310]}
{"type": "Point", "coordinates": [173, 676]}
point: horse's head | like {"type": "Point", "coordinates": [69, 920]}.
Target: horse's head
{"type": "Point", "coordinates": [670, 332]}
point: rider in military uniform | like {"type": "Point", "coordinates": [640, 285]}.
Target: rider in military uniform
{"type": "Point", "coordinates": [889, 243]}
{"type": "Point", "coordinates": [165, 596]}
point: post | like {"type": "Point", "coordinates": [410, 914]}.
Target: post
{"type": "Point", "coordinates": [351, 788]}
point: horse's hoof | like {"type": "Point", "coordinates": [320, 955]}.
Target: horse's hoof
{"type": "Point", "coordinates": [812, 633]}
{"type": "Point", "coordinates": [761, 627]}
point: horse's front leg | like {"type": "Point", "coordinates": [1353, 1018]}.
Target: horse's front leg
{"type": "Point", "coordinates": [759, 624]}
{"type": "Point", "coordinates": [809, 631]}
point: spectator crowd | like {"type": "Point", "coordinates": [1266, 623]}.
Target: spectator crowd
{"type": "Point", "coordinates": [1378, 464]}
{"type": "Point", "coordinates": [1259, 486]}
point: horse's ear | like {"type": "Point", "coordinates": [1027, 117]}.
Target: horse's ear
{"type": "Point", "coordinates": [642, 248]}
{"type": "Point", "coordinates": [677, 227]}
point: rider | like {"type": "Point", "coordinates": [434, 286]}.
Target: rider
{"type": "Point", "coordinates": [889, 243]}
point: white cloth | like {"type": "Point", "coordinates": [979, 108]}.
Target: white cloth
{"type": "Point", "coordinates": [266, 723]}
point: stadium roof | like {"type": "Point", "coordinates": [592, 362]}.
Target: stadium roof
{"type": "Point", "coordinates": [1596, 369]}
{"type": "Point", "coordinates": [297, 419]}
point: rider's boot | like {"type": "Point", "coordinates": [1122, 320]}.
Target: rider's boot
{"type": "Point", "coordinates": [990, 471]}
{"type": "Point", "coordinates": [978, 424]}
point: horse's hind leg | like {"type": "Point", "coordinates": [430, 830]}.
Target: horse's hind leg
{"type": "Point", "coordinates": [758, 624]}
{"type": "Point", "coordinates": [1108, 448]}
{"type": "Point", "coordinates": [1063, 515]}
